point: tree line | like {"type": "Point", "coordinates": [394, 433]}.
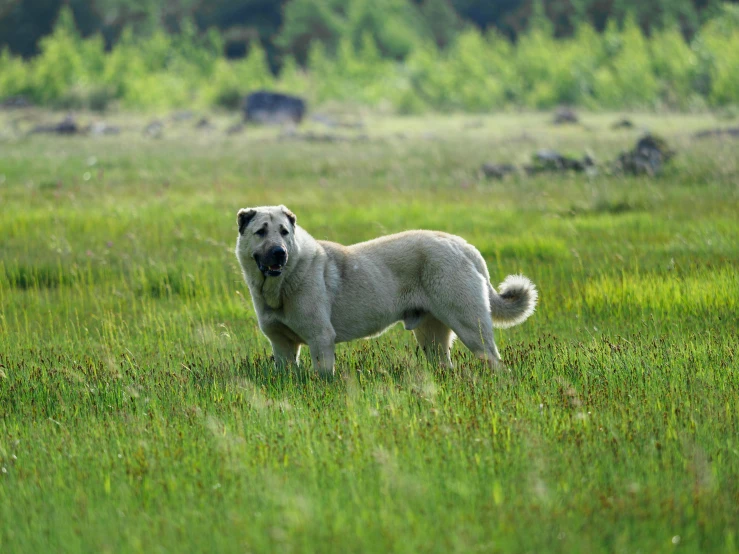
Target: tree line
{"type": "Point", "coordinates": [385, 54]}
{"type": "Point", "coordinates": [287, 27]}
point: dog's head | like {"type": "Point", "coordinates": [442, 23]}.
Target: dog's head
{"type": "Point", "coordinates": [266, 238]}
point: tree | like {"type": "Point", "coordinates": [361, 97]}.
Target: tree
{"type": "Point", "coordinates": [305, 21]}
{"type": "Point", "coordinates": [442, 22]}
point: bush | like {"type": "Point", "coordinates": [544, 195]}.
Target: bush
{"type": "Point", "coordinates": [479, 70]}
{"type": "Point", "coordinates": [716, 49]}
{"type": "Point", "coordinates": [59, 65]}
{"type": "Point", "coordinates": [674, 64]}
{"type": "Point", "coordinates": [16, 77]}
{"type": "Point", "coordinates": [161, 90]}
{"type": "Point", "coordinates": [626, 80]}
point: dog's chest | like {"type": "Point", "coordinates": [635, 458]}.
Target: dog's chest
{"type": "Point", "coordinates": [271, 291]}
{"type": "Point", "coordinates": [271, 319]}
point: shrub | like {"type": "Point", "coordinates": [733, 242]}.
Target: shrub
{"type": "Point", "coordinates": [396, 25]}
{"type": "Point", "coordinates": [16, 77]}
{"type": "Point", "coordinates": [293, 78]}
{"type": "Point", "coordinates": [479, 70]}
{"type": "Point", "coordinates": [161, 90]}
{"type": "Point", "coordinates": [626, 80]}
{"type": "Point", "coordinates": [674, 65]}
{"type": "Point", "coordinates": [59, 65]}
{"type": "Point", "coordinates": [716, 49]}
{"type": "Point", "coordinates": [725, 75]}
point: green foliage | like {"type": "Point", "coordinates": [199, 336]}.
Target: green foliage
{"type": "Point", "coordinates": [716, 46]}
{"type": "Point", "coordinates": [472, 75]}
{"type": "Point", "coordinates": [390, 63]}
{"type": "Point", "coordinates": [354, 75]}
{"type": "Point", "coordinates": [479, 71]}
{"type": "Point", "coordinates": [627, 79]}
{"type": "Point", "coordinates": [15, 76]}
{"type": "Point", "coordinates": [395, 25]}
{"type": "Point", "coordinates": [675, 65]}
{"type": "Point", "coordinates": [442, 21]}
{"type": "Point", "coordinates": [224, 89]}
{"type": "Point", "coordinates": [96, 98]}
{"type": "Point", "coordinates": [540, 64]}
{"type": "Point", "coordinates": [59, 65]}
{"type": "Point", "coordinates": [307, 22]}
{"type": "Point", "coordinates": [157, 91]}
{"type": "Point", "coordinates": [123, 64]}
{"type": "Point", "coordinates": [725, 74]}
{"type": "Point", "coordinates": [228, 82]}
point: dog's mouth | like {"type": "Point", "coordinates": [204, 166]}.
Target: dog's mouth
{"type": "Point", "coordinates": [271, 265]}
{"type": "Point", "coordinates": [274, 270]}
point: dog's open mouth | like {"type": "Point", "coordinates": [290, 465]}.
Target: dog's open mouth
{"type": "Point", "coordinates": [274, 270]}
{"type": "Point", "coordinates": [271, 265]}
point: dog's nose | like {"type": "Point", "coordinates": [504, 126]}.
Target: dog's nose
{"type": "Point", "coordinates": [278, 253]}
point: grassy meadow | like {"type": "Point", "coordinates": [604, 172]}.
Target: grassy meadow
{"type": "Point", "coordinates": [139, 411]}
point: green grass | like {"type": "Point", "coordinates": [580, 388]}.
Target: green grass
{"type": "Point", "coordinates": [139, 411]}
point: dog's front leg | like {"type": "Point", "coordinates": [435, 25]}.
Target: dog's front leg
{"type": "Point", "coordinates": [322, 352]}
{"type": "Point", "coordinates": [285, 351]}
{"type": "Point", "coordinates": [285, 345]}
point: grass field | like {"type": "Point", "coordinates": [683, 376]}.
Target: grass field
{"type": "Point", "coordinates": [139, 411]}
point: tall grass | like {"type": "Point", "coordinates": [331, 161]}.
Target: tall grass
{"type": "Point", "coordinates": [139, 409]}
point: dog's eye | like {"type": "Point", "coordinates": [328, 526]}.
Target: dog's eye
{"type": "Point", "coordinates": [261, 233]}
{"type": "Point", "coordinates": [284, 232]}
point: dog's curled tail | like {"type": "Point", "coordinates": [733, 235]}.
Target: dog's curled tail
{"type": "Point", "coordinates": [514, 302]}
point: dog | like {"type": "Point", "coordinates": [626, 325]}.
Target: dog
{"type": "Point", "coordinates": [319, 293]}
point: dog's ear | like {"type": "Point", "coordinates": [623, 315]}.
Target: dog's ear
{"type": "Point", "coordinates": [291, 216]}
{"type": "Point", "coordinates": [244, 217]}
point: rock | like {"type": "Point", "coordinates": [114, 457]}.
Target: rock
{"type": "Point", "coordinates": [476, 124]}
{"type": "Point", "coordinates": [732, 132]}
{"type": "Point", "coordinates": [310, 136]}
{"type": "Point", "coordinates": [565, 116]}
{"type": "Point", "coordinates": [273, 108]}
{"type": "Point", "coordinates": [155, 129]}
{"type": "Point", "coordinates": [182, 115]}
{"type": "Point", "coordinates": [67, 126]}
{"type": "Point", "coordinates": [100, 128]}
{"type": "Point", "coordinates": [551, 160]}
{"type": "Point", "coordinates": [15, 102]}
{"type": "Point", "coordinates": [646, 158]}
{"type": "Point", "coordinates": [337, 123]}
{"type": "Point", "coordinates": [321, 137]}
{"type": "Point", "coordinates": [235, 129]}
{"type": "Point", "coordinates": [204, 124]}
{"type": "Point", "coordinates": [622, 124]}
{"type": "Point", "coordinates": [497, 171]}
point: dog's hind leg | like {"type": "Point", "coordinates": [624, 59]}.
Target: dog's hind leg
{"type": "Point", "coordinates": [477, 335]}
{"type": "Point", "coordinates": [435, 339]}
{"type": "Point", "coordinates": [462, 305]}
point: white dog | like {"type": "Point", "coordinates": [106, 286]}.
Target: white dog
{"type": "Point", "coordinates": [315, 292]}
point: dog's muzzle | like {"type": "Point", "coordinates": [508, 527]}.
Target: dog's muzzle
{"type": "Point", "coordinates": [273, 263]}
